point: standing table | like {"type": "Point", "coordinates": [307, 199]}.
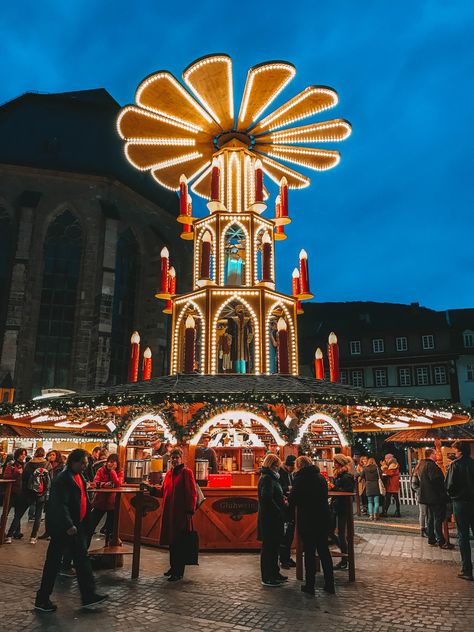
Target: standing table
{"type": "Point", "coordinates": [116, 547]}
{"type": "Point", "coordinates": [7, 484]}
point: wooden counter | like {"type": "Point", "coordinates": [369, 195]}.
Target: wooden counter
{"type": "Point", "coordinates": [227, 520]}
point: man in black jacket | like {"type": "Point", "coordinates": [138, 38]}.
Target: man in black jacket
{"type": "Point", "coordinates": [460, 486]}
{"type": "Point", "coordinates": [432, 493]}
{"type": "Point", "coordinates": [66, 522]}
{"type": "Point", "coordinates": [286, 478]}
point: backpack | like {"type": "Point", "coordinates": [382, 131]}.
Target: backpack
{"type": "Point", "coordinates": [39, 481]}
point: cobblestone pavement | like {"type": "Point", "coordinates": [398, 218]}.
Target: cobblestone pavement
{"type": "Point", "coordinates": [402, 584]}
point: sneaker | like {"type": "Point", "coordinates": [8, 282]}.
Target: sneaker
{"type": "Point", "coordinates": [8, 540]}
{"type": "Point", "coordinates": [67, 572]}
{"type": "Point", "coordinates": [94, 600]}
{"type": "Point", "coordinates": [271, 583]}
{"type": "Point", "coordinates": [308, 590]}
{"type": "Point", "coordinates": [45, 605]}
{"type": "Point", "coordinates": [466, 576]}
{"type": "Point", "coordinates": [33, 540]}
{"type": "Point", "coordinates": [175, 578]}
{"type": "Point", "coordinates": [341, 566]}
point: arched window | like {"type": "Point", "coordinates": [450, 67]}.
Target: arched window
{"type": "Point", "coordinates": [6, 255]}
{"type": "Point", "coordinates": [235, 256]}
{"type": "Point", "coordinates": [123, 307]}
{"type": "Point", "coordinates": [61, 269]}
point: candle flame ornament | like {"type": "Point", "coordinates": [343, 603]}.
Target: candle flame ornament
{"type": "Point", "coordinates": [305, 293]}
{"type": "Point", "coordinates": [266, 258]}
{"type": "Point", "coordinates": [188, 232]}
{"type": "Point", "coordinates": [171, 289]}
{"type": "Point", "coordinates": [205, 263]}
{"type": "Point", "coordinates": [163, 291]}
{"type": "Point", "coordinates": [283, 206]}
{"type": "Point", "coordinates": [319, 364]}
{"type": "Point", "coordinates": [147, 364]}
{"type": "Point", "coordinates": [215, 203]}
{"type": "Point", "coordinates": [333, 357]}
{"type": "Point", "coordinates": [134, 357]}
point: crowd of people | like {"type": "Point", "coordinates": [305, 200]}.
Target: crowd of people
{"type": "Point", "coordinates": [291, 493]}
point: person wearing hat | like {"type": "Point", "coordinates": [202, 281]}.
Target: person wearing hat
{"type": "Point", "coordinates": [286, 472]}
{"type": "Point", "coordinates": [343, 482]}
{"type": "Point", "coordinates": [203, 451]}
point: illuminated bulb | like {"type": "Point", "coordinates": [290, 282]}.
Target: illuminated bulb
{"type": "Point", "coordinates": [281, 325]}
{"type": "Point", "coordinates": [147, 353]}
{"type": "Point", "coordinates": [183, 179]}
{"type": "Point", "coordinates": [332, 338]}
{"type": "Point", "coordinates": [172, 272]}
{"type": "Point", "coordinates": [135, 339]}
{"type": "Point", "coordinates": [165, 252]}
{"type": "Point", "coordinates": [190, 323]}
{"type": "Point", "coordinates": [319, 354]}
{"type": "Point", "coordinates": [296, 273]}
{"type": "Point", "coordinates": [303, 254]}
{"type": "Point", "coordinates": [266, 239]}
{"type": "Point", "coordinates": [207, 237]}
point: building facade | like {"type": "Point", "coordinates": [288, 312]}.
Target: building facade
{"type": "Point", "coordinates": [80, 239]}
{"type": "Point", "coordinates": [405, 349]}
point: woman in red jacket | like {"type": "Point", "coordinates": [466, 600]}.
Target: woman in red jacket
{"type": "Point", "coordinates": [179, 503]}
{"type": "Point", "coordinates": [109, 475]}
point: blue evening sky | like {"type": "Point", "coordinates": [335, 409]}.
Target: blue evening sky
{"type": "Point", "coordinates": [394, 221]}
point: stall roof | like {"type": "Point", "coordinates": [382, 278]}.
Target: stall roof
{"type": "Point", "coordinates": [427, 435]}
{"type": "Point", "coordinates": [17, 432]}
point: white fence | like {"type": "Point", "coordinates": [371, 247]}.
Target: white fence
{"type": "Point", "coordinates": [407, 495]}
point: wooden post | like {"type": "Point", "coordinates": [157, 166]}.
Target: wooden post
{"type": "Point", "coordinates": [137, 535]}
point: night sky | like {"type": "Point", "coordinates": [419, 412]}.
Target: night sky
{"type": "Point", "coordinates": [394, 221]}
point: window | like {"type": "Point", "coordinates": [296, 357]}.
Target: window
{"type": "Point", "coordinates": [380, 378]}
{"type": "Point", "coordinates": [61, 269]}
{"type": "Point", "coordinates": [377, 345]}
{"type": "Point", "coordinates": [470, 372]}
{"type": "Point", "coordinates": [428, 342]}
{"type": "Point", "coordinates": [343, 376]}
{"type": "Point", "coordinates": [401, 343]}
{"type": "Point", "coordinates": [357, 378]}
{"type": "Point", "coordinates": [468, 339]}
{"type": "Point", "coordinates": [422, 376]}
{"type": "Point", "coordinates": [355, 347]}
{"type": "Point", "coordinates": [404, 376]}
{"type": "Point", "coordinates": [440, 375]}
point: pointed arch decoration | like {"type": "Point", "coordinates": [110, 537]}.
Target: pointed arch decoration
{"type": "Point", "coordinates": [150, 416]}
{"type": "Point", "coordinates": [175, 349]}
{"type": "Point", "coordinates": [225, 230]}
{"type": "Point", "coordinates": [293, 346]}
{"type": "Point", "coordinates": [319, 416]}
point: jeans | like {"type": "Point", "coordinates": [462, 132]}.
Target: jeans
{"type": "Point", "coordinates": [373, 503]}
{"type": "Point", "coordinates": [76, 546]}
{"type": "Point", "coordinates": [20, 505]}
{"type": "Point", "coordinates": [388, 500]}
{"type": "Point", "coordinates": [285, 546]}
{"type": "Point", "coordinates": [269, 559]}
{"type": "Point", "coordinates": [32, 511]}
{"type": "Point", "coordinates": [436, 514]}
{"type": "Point", "coordinates": [340, 520]}
{"type": "Point", "coordinates": [464, 516]}
{"type": "Point", "coordinates": [423, 515]}
{"type": "Point", "coordinates": [38, 506]}
{"type": "Point", "coordinates": [310, 545]}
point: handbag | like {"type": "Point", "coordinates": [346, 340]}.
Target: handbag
{"type": "Point", "coordinates": [200, 496]}
{"type": "Point", "coordinates": [382, 489]}
{"type": "Point", "coordinates": [191, 547]}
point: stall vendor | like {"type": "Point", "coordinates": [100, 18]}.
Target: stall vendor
{"type": "Point", "coordinates": [204, 452]}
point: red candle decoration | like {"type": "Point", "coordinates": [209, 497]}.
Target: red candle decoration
{"type": "Point", "coordinates": [283, 364]}
{"type": "Point", "coordinates": [188, 231]}
{"type": "Point", "coordinates": [258, 181]}
{"type": "Point", "coordinates": [205, 267]}
{"type": "Point", "coordinates": [163, 290]}
{"type": "Point", "coordinates": [215, 181]}
{"type": "Point", "coordinates": [171, 290]}
{"type": "Point", "coordinates": [147, 364]}
{"type": "Point", "coordinates": [283, 216]}
{"type": "Point", "coordinates": [279, 232]}
{"type": "Point", "coordinates": [319, 364]}
{"type": "Point", "coordinates": [189, 344]}
{"type": "Point", "coordinates": [295, 282]}
{"type": "Point", "coordinates": [185, 213]}
{"type": "Point", "coordinates": [333, 357]}
{"type": "Point", "coordinates": [266, 258]}
{"type": "Point", "coordinates": [134, 357]}
{"type": "Point", "coordinates": [304, 276]}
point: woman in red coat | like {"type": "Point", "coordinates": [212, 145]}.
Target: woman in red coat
{"type": "Point", "coordinates": [109, 475]}
{"type": "Point", "coordinates": [179, 503]}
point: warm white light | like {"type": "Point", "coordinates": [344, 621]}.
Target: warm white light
{"type": "Point", "coordinates": [281, 325]}
{"type": "Point", "coordinates": [266, 239]}
{"type": "Point", "coordinates": [111, 426]}
{"type": "Point", "coordinates": [135, 339]}
{"type": "Point", "coordinates": [148, 417]}
{"type": "Point", "coordinates": [172, 272]}
{"type": "Point", "coordinates": [190, 322]}
{"type": "Point", "coordinates": [296, 273]}
{"type": "Point", "coordinates": [183, 179]}
{"type": "Point", "coordinates": [207, 237]}
{"type": "Point", "coordinates": [165, 252]}
{"type": "Point", "coordinates": [319, 354]}
{"type": "Point", "coordinates": [323, 417]}
{"type": "Point", "coordinates": [147, 353]}
{"type": "Point", "coordinates": [332, 338]}
{"type": "Point", "coordinates": [303, 254]}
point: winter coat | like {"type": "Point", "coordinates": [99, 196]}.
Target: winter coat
{"type": "Point", "coordinates": [429, 483]}
{"type": "Point", "coordinates": [14, 471]}
{"type": "Point", "coordinates": [179, 502]}
{"type": "Point", "coordinates": [371, 475]}
{"type": "Point", "coordinates": [392, 474]}
{"type": "Point", "coordinates": [271, 507]}
{"type": "Point", "coordinates": [54, 471]}
{"type": "Point", "coordinates": [285, 479]}
{"type": "Point", "coordinates": [64, 505]}
{"type": "Point", "coordinates": [309, 498]}
{"type": "Point", "coordinates": [460, 479]}
{"type": "Point", "coordinates": [106, 478]}
{"type": "Point", "coordinates": [343, 482]}
{"type": "Point", "coordinates": [30, 467]}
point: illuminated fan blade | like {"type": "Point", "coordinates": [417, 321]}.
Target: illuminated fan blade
{"type": "Point", "coordinates": [277, 171]}
{"type": "Point", "coordinates": [145, 156]}
{"type": "Point", "coordinates": [318, 159]}
{"type": "Point", "coordinates": [327, 131]}
{"type": "Point", "coordinates": [168, 173]}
